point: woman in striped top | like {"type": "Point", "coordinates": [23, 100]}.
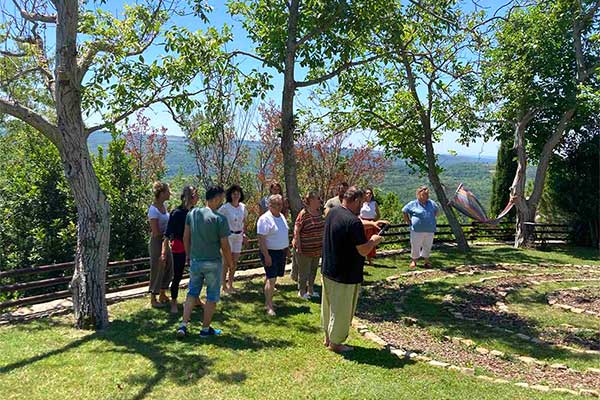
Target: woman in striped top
{"type": "Point", "coordinates": [308, 243]}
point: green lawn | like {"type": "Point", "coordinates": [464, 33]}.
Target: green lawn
{"type": "Point", "coordinates": [257, 357]}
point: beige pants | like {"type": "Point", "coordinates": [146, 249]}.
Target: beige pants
{"type": "Point", "coordinates": [307, 271]}
{"type": "Point", "coordinates": [160, 275]}
{"type": "Point", "coordinates": [338, 304]}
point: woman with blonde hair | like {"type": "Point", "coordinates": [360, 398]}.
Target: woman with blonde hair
{"type": "Point", "coordinates": [161, 259]}
{"type": "Point", "coordinates": [420, 215]}
{"type": "Point", "coordinates": [308, 243]}
{"type": "Point", "coordinates": [175, 228]}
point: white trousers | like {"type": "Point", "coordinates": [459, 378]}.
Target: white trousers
{"type": "Point", "coordinates": [420, 244]}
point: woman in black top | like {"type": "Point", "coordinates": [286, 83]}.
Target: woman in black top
{"type": "Point", "coordinates": [175, 228]}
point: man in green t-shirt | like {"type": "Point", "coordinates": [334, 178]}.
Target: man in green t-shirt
{"type": "Point", "coordinates": [205, 239]}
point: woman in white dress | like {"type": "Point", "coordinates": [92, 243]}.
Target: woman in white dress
{"type": "Point", "coordinates": [370, 212]}
{"type": "Point", "coordinates": [236, 213]}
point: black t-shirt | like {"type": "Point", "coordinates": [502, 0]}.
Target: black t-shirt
{"type": "Point", "coordinates": [343, 232]}
{"type": "Point", "coordinates": [176, 224]}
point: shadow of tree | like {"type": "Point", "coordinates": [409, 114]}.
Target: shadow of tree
{"type": "Point", "coordinates": [424, 302]}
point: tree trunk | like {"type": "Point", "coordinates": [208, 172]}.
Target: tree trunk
{"type": "Point", "coordinates": [287, 113]}
{"type": "Point", "coordinates": [524, 236]}
{"type": "Point", "coordinates": [434, 178]}
{"type": "Point", "coordinates": [93, 214]}
{"type": "Point", "coordinates": [525, 212]}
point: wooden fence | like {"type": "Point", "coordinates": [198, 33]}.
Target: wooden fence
{"type": "Point", "coordinates": [50, 282]}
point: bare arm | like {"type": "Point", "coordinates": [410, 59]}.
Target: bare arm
{"type": "Point", "coordinates": [406, 218]}
{"type": "Point", "coordinates": [154, 227]}
{"type": "Point", "coordinates": [226, 251]}
{"type": "Point", "coordinates": [262, 245]}
{"type": "Point", "coordinates": [365, 248]}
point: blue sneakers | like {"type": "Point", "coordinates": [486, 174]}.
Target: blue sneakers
{"type": "Point", "coordinates": [210, 332]}
{"type": "Point", "coordinates": [181, 331]}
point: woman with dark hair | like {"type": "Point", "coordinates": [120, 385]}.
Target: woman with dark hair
{"type": "Point", "coordinates": [161, 260]}
{"type": "Point", "coordinates": [175, 228]}
{"type": "Point", "coordinates": [236, 213]}
{"type": "Point", "coordinates": [370, 212]}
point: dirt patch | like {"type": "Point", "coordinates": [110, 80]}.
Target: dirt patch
{"type": "Point", "coordinates": [587, 298]}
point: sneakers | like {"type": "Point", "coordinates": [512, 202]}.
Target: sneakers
{"type": "Point", "coordinates": [315, 295]}
{"type": "Point", "coordinates": [210, 332]}
{"type": "Point", "coordinates": [305, 296]}
{"type": "Point", "coordinates": [181, 331]}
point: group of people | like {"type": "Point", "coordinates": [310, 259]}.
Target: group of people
{"type": "Point", "coordinates": [210, 240]}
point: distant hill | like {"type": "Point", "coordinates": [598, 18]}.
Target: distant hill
{"type": "Point", "coordinates": [475, 172]}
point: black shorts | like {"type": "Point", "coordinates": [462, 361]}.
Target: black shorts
{"type": "Point", "coordinates": [277, 267]}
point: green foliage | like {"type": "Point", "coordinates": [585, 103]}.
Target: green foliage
{"type": "Point", "coordinates": [573, 185]}
{"type": "Point", "coordinates": [128, 197]}
{"type": "Point", "coordinates": [36, 206]}
{"type": "Point", "coordinates": [506, 167]}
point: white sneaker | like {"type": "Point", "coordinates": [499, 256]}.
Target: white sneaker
{"type": "Point", "coordinates": [305, 296]}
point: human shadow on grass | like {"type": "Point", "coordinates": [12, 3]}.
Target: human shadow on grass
{"type": "Point", "coordinates": [376, 357]}
{"type": "Point", "coordinates": [425, 304]}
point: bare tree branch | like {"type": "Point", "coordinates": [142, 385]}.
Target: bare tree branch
{"type": "Point", "coordinates": [139, 106]}
{"type": "Point", "coordinates": [33, 16]}
{"type": "Point", "coordinates": [31, 118]}
{"type": "Point", "coordinates": [336, 72]}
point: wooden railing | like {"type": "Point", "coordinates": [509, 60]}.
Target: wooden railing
{"type": "Point", "coordinates": [50, 282]}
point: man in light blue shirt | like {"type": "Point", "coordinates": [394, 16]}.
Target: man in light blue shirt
{"type": "Point", "coordinates": [420, 215]}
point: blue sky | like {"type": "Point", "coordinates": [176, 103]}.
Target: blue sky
{"type": "Point", "coordinates": [160, 117]}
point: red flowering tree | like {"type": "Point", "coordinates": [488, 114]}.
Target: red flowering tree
{"type": "Point", "coordinates": [147, 147]}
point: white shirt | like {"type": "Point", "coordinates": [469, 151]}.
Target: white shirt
{"type": "Point", "coordinates": [235, 215]}
{"type": "Point", "coordinates": [369, 210]}
{"type": "Point", "coordinates": [163, 219]}
{"type": "Point", "coordinates": [274, 229]}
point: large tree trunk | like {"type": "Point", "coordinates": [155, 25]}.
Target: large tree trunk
{"type": "Point", "coordinates": [93, 225]}
{"type": "Point", "coordinates": [287, 113]}
{"type": "Point", "coordinates": [524, 233]}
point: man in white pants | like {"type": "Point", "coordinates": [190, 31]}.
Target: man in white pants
{"type": "Point", "coordinates": [420, 215]}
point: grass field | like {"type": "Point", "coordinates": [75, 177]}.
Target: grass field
{"type": "Point", "coordinates": [257, 357]}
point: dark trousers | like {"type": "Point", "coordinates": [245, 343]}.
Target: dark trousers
{"type": "Point", "coordinates": [178, 266]}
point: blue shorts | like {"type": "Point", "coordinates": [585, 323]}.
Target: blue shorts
{"type": "Point", "coordinates": [208, 272]}
{"type": "Point", "coordinates": [277, 267]}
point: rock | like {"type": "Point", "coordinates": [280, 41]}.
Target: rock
{"type": "Point", "coordinates": [500, 380]}
{"type": "Point", "coordinates": [564, 390]}
{"type": "Point", "coordinates": [439, 364]}
{"type": "Point", "coordinates": [527, 360]}
{"type": "Point", "coordinates": [577, 310]}
{"type": "Point", "coordinates": [541, 388]}
{"type": "Point", "coordinates": [412, 355]}
{"type": "Point", "coordinates": [522, 336]}
{"type": "Point", "coordinates": [496, 353]}
{"type": "Point", "coordinates": [399, 353]}
{"type": "Point", "coordinates": [485, 378]}
{"type": "Point", "coordinates": [537, 341]}
{"type": "Point", "coordinates": [482, 350]}
{"type": "Point", "coordinates": [456, 340]}
{"type": "Point", "coordinates": [590, 393]}
{"type": "Point", "coordinates": [593, 370]}
{"type": "Point", "coordinates": [558, 366]}
{"type": "Point", "coordinates": [563, 306]}
{"type": "Point", "coordinates": [422, 358]}
{"type": "Point", "coordinates": [522, 384]}
{"type": "Point", "coordinates": [552, 301]}
{"type": "Point", "coordinates": [374, 338]}
{"type": "Point", "coordinates": [467, 370]}
{"type": "Point", "coordinates": [468, 342]}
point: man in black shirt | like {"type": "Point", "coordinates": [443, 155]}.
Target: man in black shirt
{"type": "Point", "coordinates": [344, 249]}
